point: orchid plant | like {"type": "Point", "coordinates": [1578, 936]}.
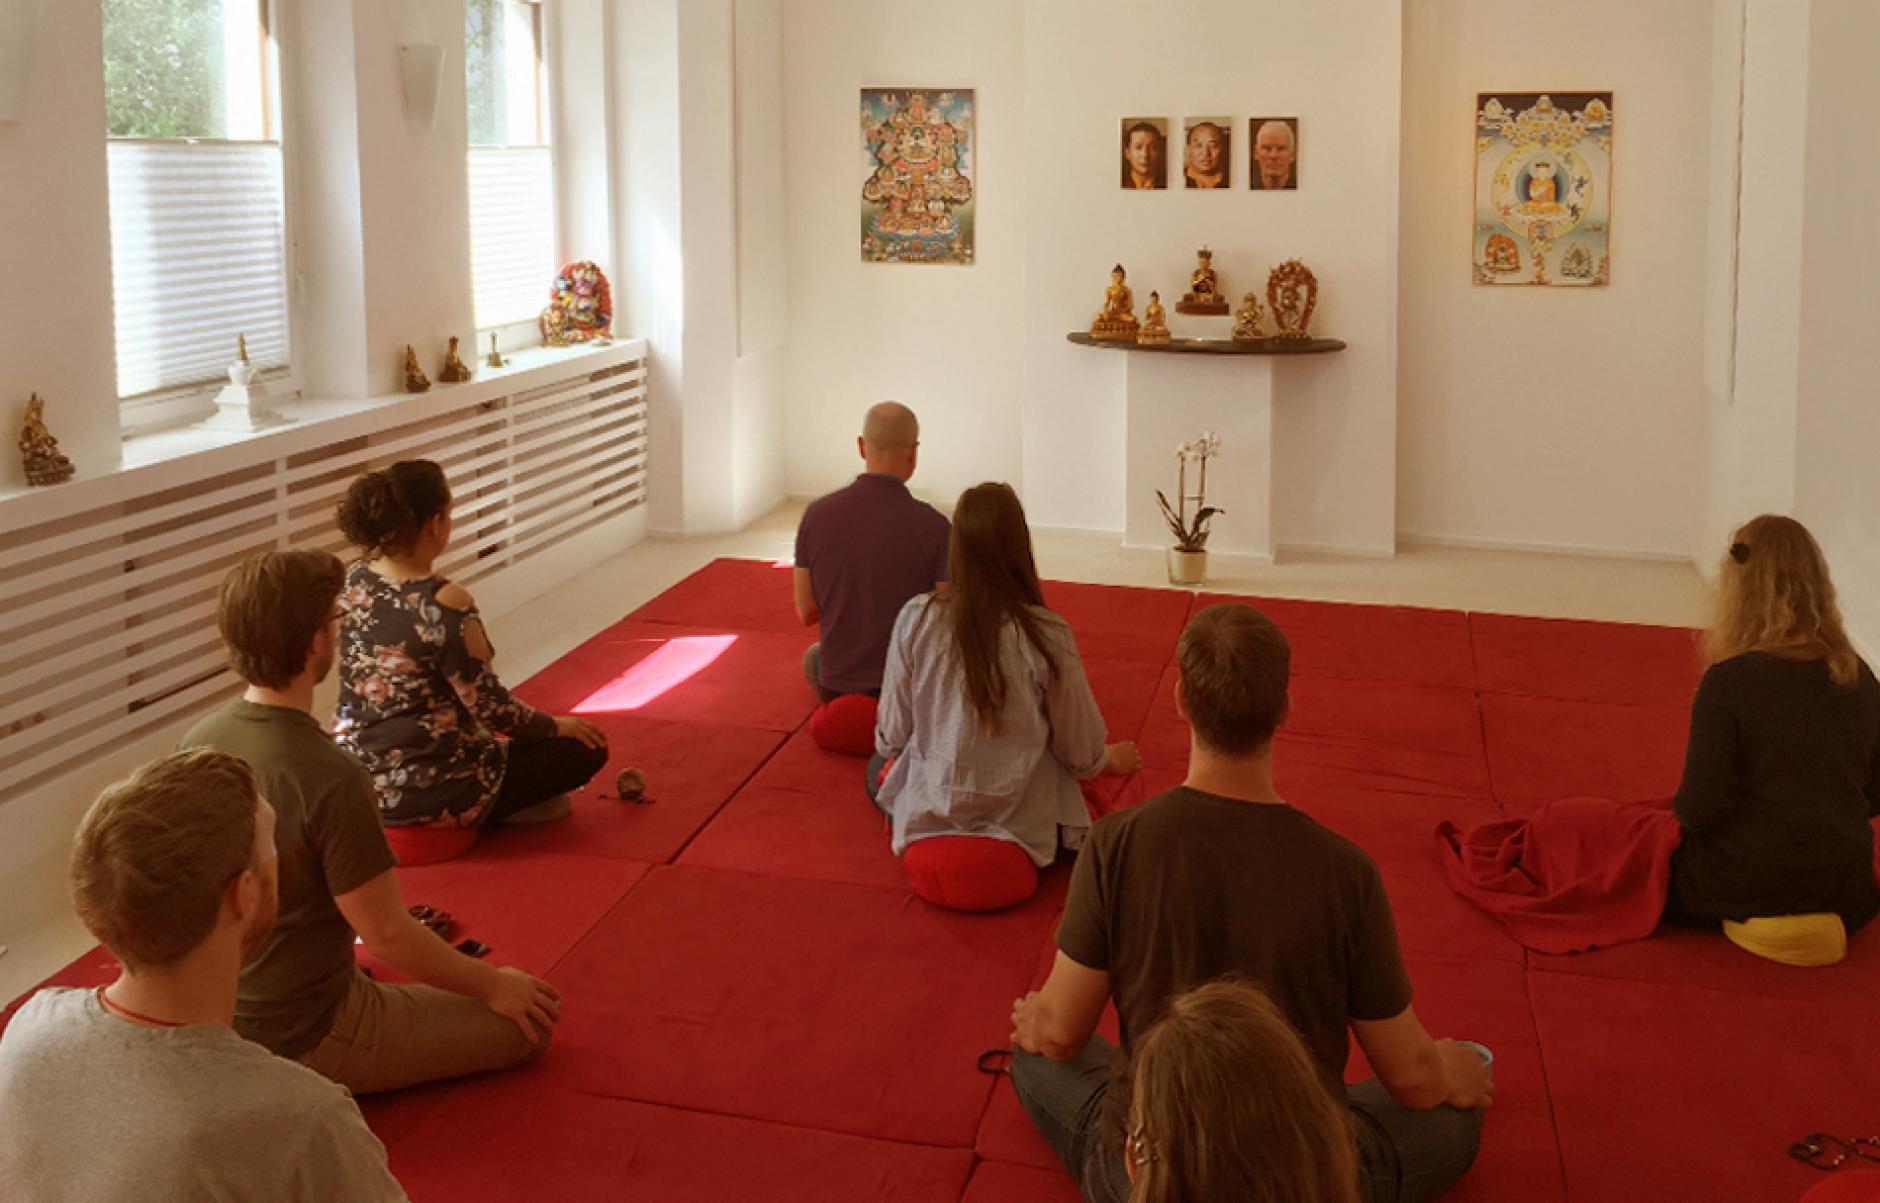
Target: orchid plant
{"type": "Point", "coordinates": [1191, 534]}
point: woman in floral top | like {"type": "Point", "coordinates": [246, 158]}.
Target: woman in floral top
{"type": "Point", "coordinates": [419, 703]}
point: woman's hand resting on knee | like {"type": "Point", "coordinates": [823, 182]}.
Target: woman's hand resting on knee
{"type": "Point", "coordinates": [570, 727]}
{"type": "Point", "coordinates": [1121, 759]}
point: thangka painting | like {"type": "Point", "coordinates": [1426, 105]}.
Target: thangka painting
{"type": "Point", "coordinates": [1543, 188]}
{"type": "Point", "coordinates": [917, 191]}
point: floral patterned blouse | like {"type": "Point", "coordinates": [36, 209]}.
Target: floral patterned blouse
{"type": "Point", "coordinates": [417, 708]}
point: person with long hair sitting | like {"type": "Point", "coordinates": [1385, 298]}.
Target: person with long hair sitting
{"type": "Point", "coordinates": [1782, 772]}
{"type": "Point", "coordinates": [1226, 1103]}
{"type": "Point", "coordinates": [985, 710]}
{"type": "Point", "coordinates": [419, 703]}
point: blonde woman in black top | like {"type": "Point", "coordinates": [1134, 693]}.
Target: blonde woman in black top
{"type": "Point", "coordinates": [1782, 773]}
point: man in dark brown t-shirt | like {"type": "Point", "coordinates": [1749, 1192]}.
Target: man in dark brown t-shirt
{"type": "Point", "coordinates": [1218, 878]}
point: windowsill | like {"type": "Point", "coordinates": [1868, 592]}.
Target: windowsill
{"type": "Point", "coordinates": [145, 452]}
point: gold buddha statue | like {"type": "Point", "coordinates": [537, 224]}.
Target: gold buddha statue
{"type": "Point", "coordinates": [1204, 289]}
{"type": "Point", "coordinates": [39, 451]}
{"type": "Point", "coordinates": [1117, 322]}
{"type": "Point", "coordinates": [1154, 322]}
{"type": "Point", "coordinates": [455, 370]}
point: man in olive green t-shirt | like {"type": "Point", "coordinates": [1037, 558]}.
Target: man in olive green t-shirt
{"type": "Point", "coordinates": [1219, 877]}
{"type": "Point", "coordinates": [303, 995]}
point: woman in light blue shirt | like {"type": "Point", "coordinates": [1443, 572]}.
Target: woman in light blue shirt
{"type": "Point", "coordinates": [985, 710]}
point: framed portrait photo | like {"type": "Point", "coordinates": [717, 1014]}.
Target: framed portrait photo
{"type": "Point", "coordinates": [1206, 151]}
{"type": "Point", "coordinates": [1145, 153]}
{"type": "Point", "coordinates": [1272, 154]}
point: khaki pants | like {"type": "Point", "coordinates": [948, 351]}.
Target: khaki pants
{"type": "Point", "coordinates": [386, 1037]}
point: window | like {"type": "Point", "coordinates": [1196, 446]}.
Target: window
{"type": "Point", "coordinates": [198, 211]}
{"type": "Point", "coordinates": [512, 169]}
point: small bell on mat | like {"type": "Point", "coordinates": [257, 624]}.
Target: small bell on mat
{"type": "Point", "coordinates": [630, 785]}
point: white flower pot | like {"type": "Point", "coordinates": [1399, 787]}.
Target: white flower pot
{"type": "Point", "coordinates": [1187, 567]}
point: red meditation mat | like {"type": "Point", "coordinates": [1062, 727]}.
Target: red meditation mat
{"type": "Point", "coordinates": [774, 1016]}
{"type": "Point", "coordinates": [1116, 623]}
{"type": "Point", "coordinates": [709, 675]}
{"type": "Point", "coordinates": [735, 595]}
{"type": "Point", "coordinates": [529, 910]}
{"type": "Point", "coordinates": [1540, 750]}
{"type": "Point", "coordinates": [841, 1007]}
{"type": "Point", "coordinates": [1586, 661]}
{"type": "Point", "coordinates": [691, 771]}
{"type": "Point", "coordinates": [1683, 1092]}
{"type": "Point", "coordinates": [996, 1183]}
{"type": "Point", "coordinates": [1369, 643]}
{"type": "Point", "coordinates": [509, 1136]}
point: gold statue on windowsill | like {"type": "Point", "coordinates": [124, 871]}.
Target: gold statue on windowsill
{"type": "Point", "coordinates": [415, 379]}
{"type": "Point", "coordinates": [455, 370]}
{"type": "Point", "coordinates": [39, 451]}
{"type": "Point", "coordinates": [1154, 322]}
{"type": "Point", "coordinates": [1117, 322]}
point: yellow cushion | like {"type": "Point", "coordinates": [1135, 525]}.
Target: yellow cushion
{"type": "Point", "coordinates": [1792, 939]}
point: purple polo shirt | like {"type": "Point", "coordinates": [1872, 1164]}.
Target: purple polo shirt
{"type": "Point", "coordinates": [868, 547]}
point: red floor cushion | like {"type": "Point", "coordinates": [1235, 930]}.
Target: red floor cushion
{"type": "Point", "coordinates": [845, 724]}
{"type": "Point", "coordinates": [429, 843]}
{"type": "Point", "coordinates": [970, 872]}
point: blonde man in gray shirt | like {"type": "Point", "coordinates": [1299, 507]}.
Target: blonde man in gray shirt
{"type": "Point", "coordinates": [141, 1090]}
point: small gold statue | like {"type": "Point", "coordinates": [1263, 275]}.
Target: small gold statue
{"type": "Point", "coordinates": [1292, 293]}
{"type": "Point", "coordinates": [1204, 290]}
{"type": "Point", "coordinates": [415, 379]}
{"type": "Point", "coordinates": [1154, 322]}
{"type": "Point", "coordinates": [241, 349]}
{"type": "Point", "coordinates": [39, 451]}
{"type": "Point", "coordinates": [1247, 321]}
{"type": "Point", "coordinates": [455, 370]}
{"type": "Point", "coordinates": [1117, 322]}
{"type": "Point", "coordinates": [496, 359]}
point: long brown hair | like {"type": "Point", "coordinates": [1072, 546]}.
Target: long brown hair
{"type": "Point", "coordinates": [1227, 1104]}
{"type": "Point", "coordinates": [1774, 596]}
{"type": "Point", "coordinates": [994, 582]}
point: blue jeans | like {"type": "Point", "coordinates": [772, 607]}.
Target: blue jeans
{"type": "Point", "coordinates": [1404, 1155]}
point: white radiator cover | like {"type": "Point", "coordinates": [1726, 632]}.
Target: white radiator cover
{"type": "Point", "coordinates": [107, 597]}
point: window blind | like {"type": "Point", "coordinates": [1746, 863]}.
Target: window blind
{"type": "Point", "coordinates": [512, 232]}
{"type": "Point", "coordinates": [198, 256]}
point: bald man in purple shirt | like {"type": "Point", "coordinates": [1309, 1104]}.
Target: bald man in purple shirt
{"type": "Point", "coordinates": [861, 552]}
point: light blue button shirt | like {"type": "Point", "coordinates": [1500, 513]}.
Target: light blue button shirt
{"type": "Point", "coordinates": [950, 777]}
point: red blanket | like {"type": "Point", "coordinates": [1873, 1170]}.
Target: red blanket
{"type": "Point", "coordinates": [1581, 873]}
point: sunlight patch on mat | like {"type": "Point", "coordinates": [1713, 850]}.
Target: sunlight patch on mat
{"type": "Point", "coordinates": [676, 661]}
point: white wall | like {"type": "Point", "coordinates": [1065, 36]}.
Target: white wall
{"type": "Point", "coordinates": [1566, 417]}
{"type": "Point", "coordinates": [680, 70]}
{"type": "Point", "coordinates": [1750, 427]}
{"type": "Point", "coordinates": [1333, 65]}
{"type": "Point", "coordinates": [55, 252]}
{"type": "Point", "coordinates": [761, 277]}
{"type": "Point", "coordinates": [946, 340]}
{"type": "Point", "coordinates": [1838, 411]}
{"type": "Point", "coordinates": [979, 351]}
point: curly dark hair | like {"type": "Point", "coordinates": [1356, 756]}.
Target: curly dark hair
{"type": "Point", "coordinates": [383, 512]}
